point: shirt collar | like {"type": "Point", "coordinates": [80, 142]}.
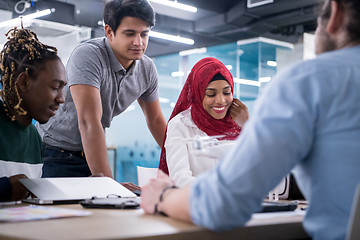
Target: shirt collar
{"type": "Point", "coordinates": [187, 120]}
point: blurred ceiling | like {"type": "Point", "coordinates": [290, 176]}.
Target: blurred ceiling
{"type": "Point", "coordinates": [215, 22]}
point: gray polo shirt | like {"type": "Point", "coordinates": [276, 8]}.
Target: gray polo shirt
{"type": "Point", "coordinates": [94, 63]}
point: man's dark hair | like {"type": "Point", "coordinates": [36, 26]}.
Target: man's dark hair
{"type": "Point", "coordinates": [352, 9]}
{"type": "Point", "coordinates": [116, 10]}
{"type": "Point", "coordinates": [23, 52]}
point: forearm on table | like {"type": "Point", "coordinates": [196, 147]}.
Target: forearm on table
{"type": "Point", "coordinates": [94, 144]}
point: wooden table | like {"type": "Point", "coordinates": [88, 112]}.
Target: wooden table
{"type": "Point", "coordinates": [134, 224]}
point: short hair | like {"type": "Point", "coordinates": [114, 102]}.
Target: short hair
{"type": "Point", "coordinates": [353, 10]}
{"type": "Point", "coordinates": [116, 10]}
{"type": "Point", "coordinates": [22, 52]}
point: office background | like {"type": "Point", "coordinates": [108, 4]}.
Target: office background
{"type": "Point", "coordinates": [254, 38]}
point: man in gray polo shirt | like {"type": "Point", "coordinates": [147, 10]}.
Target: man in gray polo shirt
{"type": "Point", "coordinates": [105, 75]}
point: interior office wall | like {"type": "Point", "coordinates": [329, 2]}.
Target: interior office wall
{"type": "Point", "coordinates": [129, 139]}
{"type": "Point", "coordinates": [246, 61]}
{"type": "Point", "coordinates": [65, 44]}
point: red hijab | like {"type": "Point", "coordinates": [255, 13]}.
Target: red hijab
{"type": "Point", "coordinates": [192, 95]}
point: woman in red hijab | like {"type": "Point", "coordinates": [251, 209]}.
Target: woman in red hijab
{"type": "Point", "coordinates": [205, 107]}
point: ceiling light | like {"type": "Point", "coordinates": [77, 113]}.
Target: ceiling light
{"type": "Point", "coordinates": [177, 74]}
{"type": "Point", "coordinates": [164, 100]}
{"type": "Point", "coordinates": [256, 3]}
{"type": "Point", "coordinates": [271, 63]}
{"type": "Point", "coordinates": [17, 21]}
{"type": "Point", "coordinates": [193, 51]}
{"type": "Point", "coordinates": [247, 82]}
{"type": "Point", "coordinates": [264, 79]}
{"type": "Point", "coordinates": [175, 4]}
{"type": "Point", "coordinates": [172, 37]}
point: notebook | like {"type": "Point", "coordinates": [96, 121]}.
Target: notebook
{"type": "Point", "coordinates": [353, 231]}
{"type": "Point", "coordinates": [112, 203]}
{"type": "Point", "coordinates": [73, 190]}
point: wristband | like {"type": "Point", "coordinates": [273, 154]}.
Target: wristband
{"type": "Point", "coordinates": [161, 199]}
{"type": "Point", "coordinates": [164, 190]}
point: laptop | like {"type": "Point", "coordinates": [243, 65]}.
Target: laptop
{"type": "Point", "coordinates": [73, 190]}
{"type": "Point", "coordinates": [353, 230]}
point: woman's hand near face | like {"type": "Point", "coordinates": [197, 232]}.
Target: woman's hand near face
{"type": "Point", "coordinates": [239, 112]}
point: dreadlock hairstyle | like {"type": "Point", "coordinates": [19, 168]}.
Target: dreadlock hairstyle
{"type": "Point", "coordinates": [23, 52]}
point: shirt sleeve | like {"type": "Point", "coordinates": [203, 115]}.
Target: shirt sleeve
{"type": "Point", "coordinates": [177, 152]}
{"type": "Point", "coordinates": [273, 141]}
{"type": "Point", "coordinates": [5, 189]}
{"type": "Point", "coordinates": [152, 93]}
{"type": "Point", "coordinates": [85, 67]}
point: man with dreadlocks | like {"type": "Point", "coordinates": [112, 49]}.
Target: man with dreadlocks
{"type": "Point", "coordinates": [32, 79]}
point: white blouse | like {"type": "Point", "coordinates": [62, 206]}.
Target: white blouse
{"type": "Point", "coordinates": [183, 160]}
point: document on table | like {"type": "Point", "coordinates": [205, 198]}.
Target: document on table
{"type": "Point", "coordinates": [32, 212]}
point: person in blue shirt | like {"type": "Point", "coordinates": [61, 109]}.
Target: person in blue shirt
{"type": "Point", "coordinates": [307, 118]}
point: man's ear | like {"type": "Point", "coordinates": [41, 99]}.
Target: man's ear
{"type": "Point", "coordinates": [337, 18]}
{"type": "Point", "coordinates": [23, 82]}
{"type": "Point", "coordinates": [108, 32]}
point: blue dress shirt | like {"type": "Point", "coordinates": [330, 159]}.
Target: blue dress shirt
{"type": "Point", "coordinates": [308, 118]}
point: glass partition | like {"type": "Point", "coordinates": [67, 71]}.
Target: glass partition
{"type": "Point", "coordinates": [252, 62]}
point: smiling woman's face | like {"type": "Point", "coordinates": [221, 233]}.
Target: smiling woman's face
{"type": "Point", "coordinates": [218, 98]}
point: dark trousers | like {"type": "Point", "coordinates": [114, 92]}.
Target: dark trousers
{"type": "Point", "coordinates": [63, 163]}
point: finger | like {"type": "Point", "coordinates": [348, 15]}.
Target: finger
{"type": "Point", "coordinates": [134, 187]}
{"type": "Point", "coordinates": [137, 188]}
{"type": "Point", "coordinates": [98, 175]}
{"type": "Point", "coordinates": [238, 110]}
{"type": "Point", "coordinates": [234, 106]}
{"type": "Point", "coordinates": [239, 103]}
{"type": "Point", "coordinates": [234, 111]}
{"type": "Point", "coordinates": [129, 186]}
{"type": "Point", "coordinates": [236, 101]}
